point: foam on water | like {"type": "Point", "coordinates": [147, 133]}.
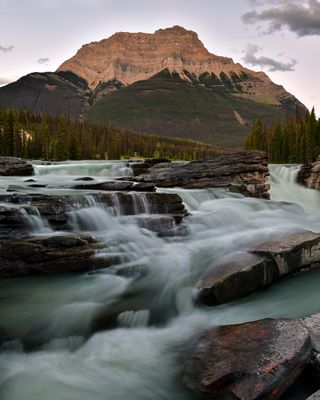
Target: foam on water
{"type": "Point", "coordinates": [148, 296]}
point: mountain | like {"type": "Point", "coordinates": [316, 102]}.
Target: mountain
{"type": "Point", "coordinates": [165, 83]}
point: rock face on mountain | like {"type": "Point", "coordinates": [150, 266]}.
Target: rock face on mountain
{"type": "Point", "coordinates": [164, 83]}
{"type": "Point", "coordinates": [132, 57]}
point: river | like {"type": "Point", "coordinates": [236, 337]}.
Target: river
{"type": "Point", "coordinates": [62, 342]}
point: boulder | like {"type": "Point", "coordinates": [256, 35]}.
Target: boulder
{"type": "Point", "coordinates": [309, 175]}
{"type": "Point", "coordinates": [67, 252]}
{"type": "Point", "coordinates": [243, 273]}
{"type": "Point", "coordinates": [240, 171]}
{"type": "Point", "coordinates": [14, 166]}
{"type": "Point", "coordinates": [255, 360]}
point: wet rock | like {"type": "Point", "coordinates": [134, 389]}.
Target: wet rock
{"type": "Point", "coordinates": [235, 278]}
{"type": "Point", "coordinates": [108, 185]}
{"type": "Point", "coordinates": [12, 222]}
{"type": "Point", "coordinates": [255, 360]}
{"type": "Point", "coordinates": [14, 166]}
{"type": "Point", "coordinates": [243, 273]}
{"type": "Point", "coordinates": [313, 324]}
{"type": "Point", "coordinates": [56, 209]}
{"type": "Point", "coordinates": [309, 175]}
{"type": "Point", "coordinates": [156, 224]}
{"type": "Point", "coordinates": [242, 171]}
{"type": "Point", "coordinates": [143, 167]}
{"type": "Point", "coordinates": [292, 253]}
{"type": "Point", "coordinates": [51, 254]}
{"type": "Point", "coordinates": [85, 178]}
{"type": "Point", "coordinates": [144, 187]}
{"type": "Point", "coordinates": [37, 185]}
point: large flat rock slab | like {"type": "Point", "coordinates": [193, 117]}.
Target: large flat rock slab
{"type": "Point", "coordinates": [293, 252]}
{"type": "Point", "coordinates": [255, 360]}
{"type": "Point", "coordinates": [244, 273]}
{"type": "Point", "coordinates": [241, 171]}
{"type": "Point", "coordinates": [236, 278]}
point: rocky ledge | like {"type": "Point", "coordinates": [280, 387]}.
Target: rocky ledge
{"type": "Point", "coordinates": [255, 360]}
{"type": "Point", "coordinates": [309, 175]}
{"type": "Point", "coordinates": [242, 171]}
{"type": "Point", "coordinates": [67, 252]}
{"type": "Point", "coordinates": [14, 166]}
{"type": "Point", "coordinates": [243, 273]}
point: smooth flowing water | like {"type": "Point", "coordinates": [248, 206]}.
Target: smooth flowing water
{"type": "Point", "coordinates": [125, 330]}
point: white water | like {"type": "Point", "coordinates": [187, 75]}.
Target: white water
{"type": "Point", "coordinates": [149, 295]}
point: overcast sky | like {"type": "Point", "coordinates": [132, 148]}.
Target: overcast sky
{"type": "Point", "coordinates": [280, 37]}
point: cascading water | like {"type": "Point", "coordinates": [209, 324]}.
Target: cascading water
{"type": "Point", "coordinates": [284, 187]}
{"type": "Point", "coordinates": [121, 331]}
{"type": "Point", "coordinates": [112, 169]}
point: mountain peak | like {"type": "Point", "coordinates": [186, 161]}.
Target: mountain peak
{"type": "Point", "coordinates": [130, 57]}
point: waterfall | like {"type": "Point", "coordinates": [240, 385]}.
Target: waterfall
{"type": "Point", "coordinates": [111, 169]}
{"type": "Point", "coordinates": [122, 330]}
{"type": "Point", "coordinates": [35, 223]}
{"type": "Point", "coordinates": [284, 187]}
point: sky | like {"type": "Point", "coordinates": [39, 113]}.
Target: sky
{"type": "Point", "coordinates": [279, 37]}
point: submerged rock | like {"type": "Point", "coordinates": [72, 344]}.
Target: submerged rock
{"type": "Point", "coordinates": [255, 360]}
{"type": "Point", "coordinates": [14, 166]}
{"type": "Point", "coordinates": [246, 272]}
{"type": "Point", "coordinates": [242, 171]}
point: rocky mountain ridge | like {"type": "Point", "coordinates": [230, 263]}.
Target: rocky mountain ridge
{"type": "Point", "coordinates": [131, 57]}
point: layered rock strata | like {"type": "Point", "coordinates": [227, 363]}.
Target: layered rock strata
{"type": "Point", "coordinates": [268, 262]}
{"type": "Point", "coordinates": [243, 172]}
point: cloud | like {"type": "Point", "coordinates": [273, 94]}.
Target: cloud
{"type": "Point", "coordinates": [303, 18]}
{"type": "Point", "coordinates": [44, 60]}
{"type": "Point", "coordinates": [266, 62]}
{"type": "Point", "coordinates": [6, 49]}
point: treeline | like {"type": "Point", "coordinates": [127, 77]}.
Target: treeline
{"type": "Point", "coordinates": [297, 140]}
{"type": "Point", "coordinates": [40, 136]}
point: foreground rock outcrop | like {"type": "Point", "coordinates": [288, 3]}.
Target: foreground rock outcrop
{"type": "Point", "coordinates": [255, 360]}
{"type": "Point", "coordinates": [14, 166]}
{"type": "Point", "coordinates": [243, 172]}
{"type": "Point", "coordinates": [246, 272]}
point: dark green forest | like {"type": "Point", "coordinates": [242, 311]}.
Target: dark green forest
{"type": "Point", "coordinates": [297, 140]}
{"type": "Point", "coordinates": [40, 136]}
